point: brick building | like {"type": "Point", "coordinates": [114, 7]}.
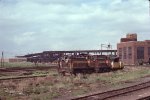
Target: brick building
{"type": "Point", "coordinates": [17, 60]}
{"type": "Point", "coordinates": [132, 51]}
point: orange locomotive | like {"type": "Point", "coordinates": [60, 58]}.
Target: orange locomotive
{"type": "Point", "coordinates": [88, 63]}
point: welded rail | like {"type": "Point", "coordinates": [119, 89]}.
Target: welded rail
{"type": "Point", "coordinates": [113, 93]}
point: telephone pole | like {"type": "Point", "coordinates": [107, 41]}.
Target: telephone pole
{"type": "Point", "coordinates": [2, 59]}
{"type": "Point", "coordinates": [108, 46]}
{"type": "Point", "coordinates": [149, 7]}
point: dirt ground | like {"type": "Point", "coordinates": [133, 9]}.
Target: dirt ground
{"type": "Point", "coordinates": [56, 87]}
{"type": "Point", "coordinates": [134, 95]}
{"type": "Point", "coordinates": [17, 71]}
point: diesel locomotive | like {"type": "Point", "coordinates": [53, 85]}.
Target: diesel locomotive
{"type": "Point", "coordinates": [88, 63]}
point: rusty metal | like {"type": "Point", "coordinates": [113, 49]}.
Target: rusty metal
{"type": "Point", "coordinates": [50, 56]}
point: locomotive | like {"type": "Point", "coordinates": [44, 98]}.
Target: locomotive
{"type": "Point", "coordinates": [88, 63]}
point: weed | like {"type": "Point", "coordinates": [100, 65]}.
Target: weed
{"type": "Point", "coordinates": [54, 85]}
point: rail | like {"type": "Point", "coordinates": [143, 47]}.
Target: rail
{"type": "Point", "coordinates": [21, 77]}
{"type": "Point", "coordinates": [144, 98]}
{"type": "Point", "coordinates": [113, 93]}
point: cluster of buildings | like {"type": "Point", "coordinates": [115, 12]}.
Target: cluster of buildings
{"type": "Point", "coordinates": [12, 60]}
{"type": "Point", "coordinates": [131, 51]}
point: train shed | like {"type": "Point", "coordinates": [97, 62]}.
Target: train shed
{"type": "Point", "coordinates": [50, 56]}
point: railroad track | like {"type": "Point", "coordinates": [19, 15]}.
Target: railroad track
{"type": "Point", "coordinates": [21, 77]}
{"type": "Point", "coordinates": [114, 93]}
{"type": "Point", "coordinates": [144, 98]}
{"type": "Point", "coordinates": [11, 69]}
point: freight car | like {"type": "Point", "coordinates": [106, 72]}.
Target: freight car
{"type": "Point", "coordinates": [88, 63]}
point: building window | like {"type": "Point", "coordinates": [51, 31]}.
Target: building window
{"type": "Point", "coordinates": [124, 53]}
{"type": "Point", "coordinates": [130, 52]}
{"type": "Point", "coordinates": [149, 51]}
{"type": "Point", "coordinates": [120, 53]}
{"type": "Point", "coordinates": [140, 52]}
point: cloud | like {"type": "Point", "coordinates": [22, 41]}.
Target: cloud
{"type": "Point", "coordinates": [27, 37]}
{"type": "Point", "coordinates": [37, 25]}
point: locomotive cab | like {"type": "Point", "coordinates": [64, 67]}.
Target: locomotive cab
{"type": "Point", "coordinates": [116, 63]}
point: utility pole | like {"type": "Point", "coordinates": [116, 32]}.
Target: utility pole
{"type": "Point", "coordinates": [149, 7]}
{"type": "Point", "coordinates": [109, 47]}
{"type": "Point", "coordinates": [2, 59]}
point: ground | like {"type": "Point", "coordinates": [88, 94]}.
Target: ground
{"type": "Point", "coordinates": [134, 95]}
{"type": "Point", "coordinates": [54, 86]}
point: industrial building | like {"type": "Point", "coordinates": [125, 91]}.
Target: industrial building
{"type": "Point", "coordinates": [13, 60]}
{"type": "Point", "coordinates": [131, 51]}
{"type": "Point", "coordinates": [50, 56]}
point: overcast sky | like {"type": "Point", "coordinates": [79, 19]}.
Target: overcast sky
{"type": "Point", "coordinates": [29, 26]}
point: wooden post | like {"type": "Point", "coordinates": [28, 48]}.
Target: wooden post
{"type": "Point", "coordinates": [2, 60]}
{"type": "Point", "coordinates": [149, 7]}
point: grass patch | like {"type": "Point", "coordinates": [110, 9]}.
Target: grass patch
{"type": "Point", "coordinates": [120, 76]}
{"type": "Point", "coordinates": [55, 85]}
{"type": "Point", "coordinates": [23, 64]}
{"type": "Point", "coordinates": [18, 64]}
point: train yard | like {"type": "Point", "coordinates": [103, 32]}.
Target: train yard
{"type": "Point", "coordinates": [23, 72]}
{"type": "Point", "coordinates": [114, 94]}
{"type": "Point", "coordinates": [36, 83]}
{"type": "Point", "coordinates": [83, 59]}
